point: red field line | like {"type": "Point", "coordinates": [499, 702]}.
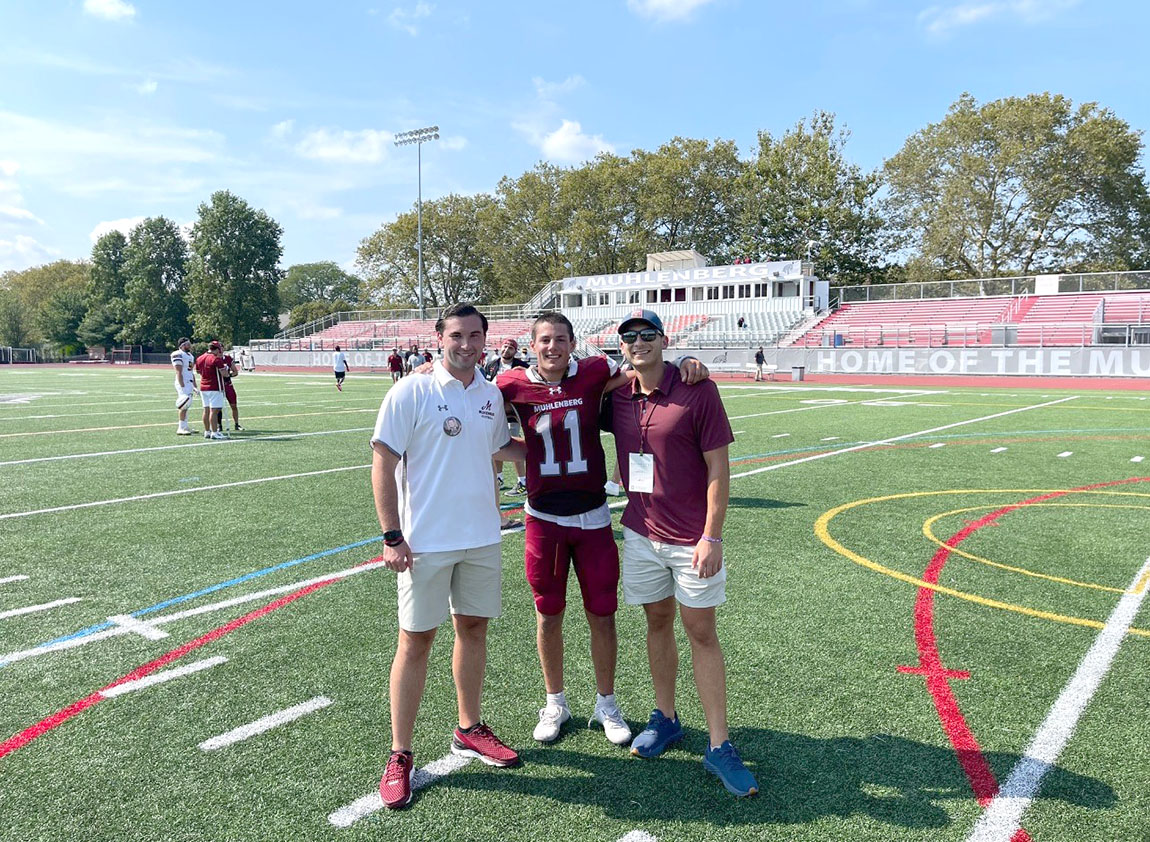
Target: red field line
{"type": "Point", "coordinates": [938, 677]}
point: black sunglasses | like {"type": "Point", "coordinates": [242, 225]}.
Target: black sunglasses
{"type": "Point", "coordinates": [648, 334]}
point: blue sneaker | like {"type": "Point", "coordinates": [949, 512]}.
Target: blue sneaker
{"type": "Point", "coordinates": [659, 733]}
{"type": "Point", "coordinates": [724, 762]}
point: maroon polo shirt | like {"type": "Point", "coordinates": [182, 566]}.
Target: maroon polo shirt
{"type": "Point", "coordinates": [676, 423]}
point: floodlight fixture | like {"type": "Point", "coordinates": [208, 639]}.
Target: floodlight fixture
{"type": "Point", "coordinates": [418, 137]}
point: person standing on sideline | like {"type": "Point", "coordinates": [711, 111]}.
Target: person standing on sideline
{"type": "Point", "coordinates": [395, 365]}
{"type": "Point", "coordinates": [505, 362]}
{"type": "Point", "coordinates": [760, 361]}
{"type": "Point", "coordinates": [340, 367]}
{"type": "Point", "coordinates": [432, 447]}
{"type": "Point", "coordinates": [209, 366]}
{"type": "Point", "coordinates": [182, 362]}
{"type": "Point", "coordinates": [672, 445]}
{"type": "Point", "coordinates": [414, 359]}
{"type": "Point", "coordinates": [228, 372]}
{"type": "Point", "coordinates": [568, 521]}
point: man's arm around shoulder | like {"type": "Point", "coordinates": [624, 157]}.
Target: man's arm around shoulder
{"type": "Point", "coordinates": [383, 464]}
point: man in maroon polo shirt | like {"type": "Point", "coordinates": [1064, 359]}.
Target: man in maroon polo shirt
{"type": "Point", "coordinates": [672, 444]}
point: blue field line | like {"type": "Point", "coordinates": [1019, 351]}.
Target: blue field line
{"type": "Point", "coordinates": [239, 580]}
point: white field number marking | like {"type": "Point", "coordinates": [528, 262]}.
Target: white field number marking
{"type": "Point", "coordinates": [1003, 815]}
{"type": "Point", "coordinates": [32, 609]}
{"type": "Point", "coordinates": [161, 677]}
{"type": "Point", "coordinates": [265, 723]}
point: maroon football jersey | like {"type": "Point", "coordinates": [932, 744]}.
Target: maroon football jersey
{"type": "Point", "coordinates": [566, 469]}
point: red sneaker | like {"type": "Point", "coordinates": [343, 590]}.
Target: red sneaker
{"type": "Point", "coordinates": [395, 788]}
{"type": "Point", "coordinates": [480, 742]}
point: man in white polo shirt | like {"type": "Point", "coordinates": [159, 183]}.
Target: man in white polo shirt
{"type": "Point", "coordinates": [431, 474]}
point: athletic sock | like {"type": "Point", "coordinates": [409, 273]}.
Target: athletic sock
{"type": "Point", "coordinates": [559, 698]}
{"type": "Point", "coordinates": [608, 700]}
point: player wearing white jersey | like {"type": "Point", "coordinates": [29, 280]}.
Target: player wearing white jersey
{"type": "Point", "coordinates": [182, 362]}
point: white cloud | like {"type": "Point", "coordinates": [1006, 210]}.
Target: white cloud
{"type": "Point", "coordinates": [8, 168]}
{"type": "Point", "coordinates": [942, 20]}
{"type": "Point", "coordinates": [404, 20]}
{"type": "Point", "coordinates": [666, 9]}
{"type": "Point", "coordinates": [569, 144]}
{"type": "Point", "coordinates": [454, 142]}
{"type": "Point", "coordinates": [15, 214]}
{"type": "Point", "coordinates": [550, 90]}
{"type": "Point", "coordinates": [124, 226]}
{"type": "Point", "coordinates": [363, 147]}
{"type": "Point", "coordinates": [23, 251]}
{"type": "Point", "coordinates": [110, 9]}
{"type": "Point", "coordinates": [147, 87]}
{"type": "Point", "coordinates": [282, 129]}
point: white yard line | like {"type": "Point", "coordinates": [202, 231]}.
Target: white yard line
{"type": "Point", "coordinates": [168, 423]}
{"type": "Point", "coordinates": [796, 409]}
{"type": "Point", "coordinates": [116, 631]}
{"type": "Point", "coordinates": [247, 404]}
{"type": "Point", "coordinates": [938, 444]}
{"type": "Point", "coordinates": [178, 491]}
{"type": "Point", "coordinates": [265, 723]}
{"type": "Point", "coordinates": [348, 815]}
{"type": "Point", "coordinates": [1065, 453]}
{"type": "Point", "coordinates": [17, 578]}
{"type": "Point", "coordinates": [32, 609]}
{"type": "Point", "coordinates": [282, 437]}
{"type": "Point", "coordinates": [865, 445]}
{"type": "Point", "coordinates": [1003, 815]}
{"type": "Point", "coordinates": [161, 677]}
{"type": "Point", "coordinates": [998, 450]}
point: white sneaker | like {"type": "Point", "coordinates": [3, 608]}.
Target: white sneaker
{"type": "Point", "coordinates": [218, 436]}
{"type": "Point", "coordinates": [183, 431]}
{"type": "Point", "coordinates": [612, 488]}
{"type": "Point", "coordinates": [611, 718]}
{"type": "Point", "coordinates": [551, 719]}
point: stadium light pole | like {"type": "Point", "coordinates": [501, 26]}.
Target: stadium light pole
{"type": "Point", "coordinates": [418, 137]}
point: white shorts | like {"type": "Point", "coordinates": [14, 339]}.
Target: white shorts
{"type": "Point", "coordinates": [465, 582]}
{"type": "Point", "coordinates": [183, 397]}
{"type": "Point", "coordinates": [212, 398]}
{"type": "Point", "coordinates": [653, 571]}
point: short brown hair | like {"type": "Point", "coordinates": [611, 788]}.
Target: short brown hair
{"type": "Point", "coordinates": [553, 318]}
{"type": "Point", "coordinates": [459, 311]}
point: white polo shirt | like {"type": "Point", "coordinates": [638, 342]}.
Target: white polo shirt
{"type": "Point", "coordinates": [445, 436]}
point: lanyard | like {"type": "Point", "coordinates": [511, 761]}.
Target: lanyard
{"type": "Point", "coordinates": [644, 428]}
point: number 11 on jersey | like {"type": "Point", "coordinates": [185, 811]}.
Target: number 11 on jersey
{"type": "Point", "coordinates": [551, 467]}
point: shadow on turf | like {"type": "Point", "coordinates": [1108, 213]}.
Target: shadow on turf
{"type": "Point", "coordinates": [802, 779]}
{"type": "Point", "coordinates": [761, 503]}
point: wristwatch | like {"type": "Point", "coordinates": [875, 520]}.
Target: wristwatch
{"type": "Point", "coordinates": [393, 537]}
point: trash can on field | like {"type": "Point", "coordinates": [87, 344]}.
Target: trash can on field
{"type": "Point", "coordinates": [798, 372]}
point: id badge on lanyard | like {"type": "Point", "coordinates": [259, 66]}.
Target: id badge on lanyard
{"type": "Point", "coordinates": [642, 474]}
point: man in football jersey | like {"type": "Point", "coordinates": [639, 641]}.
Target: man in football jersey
{"type": "Point", "coordinates": [227, 373]}
{"type": "Point", "coordinates": [209, 366]}
{"type": "Point", "coordinates": [558, 402]}
{"type": "Point", "coordinates": [395, 365]}
{"type": "Point", "coordinates": [182, 362]}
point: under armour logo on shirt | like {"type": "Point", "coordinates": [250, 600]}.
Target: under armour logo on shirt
{"type": "Point", "coordinates": [555, 390]}
{"type": "Point", "coordinates": [442, 407]}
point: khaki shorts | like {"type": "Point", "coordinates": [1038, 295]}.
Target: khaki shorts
{"type": "Point", "coordinates": [465, 582]}
{"type": "Point", "coordinates": [653, 571]}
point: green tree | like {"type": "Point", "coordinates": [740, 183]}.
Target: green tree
{"type": "Point", "coordinates": [1021, 185]}
{"type": "Point", "coordinates": [104, 319]}
{"type": "Point", "coordinates": [604, 232]}
{"type": "Point", "coordinates": [233, 271]}
{"type": "Point", "coordinates": [15, 328]}
{"type": "Point", "coordinates": [687, 196]}
{"type": "Point", "coordinates": [802, 197]}
{"type": "Point", "coordinates": [60, 316]}
{"type": "Point", "coordinates": [155, 268]}
{"type": "Point", "coordinates": [309, 311]}
{"type": "Point", "coordinates": [33, 288]}
{"type": "Point", "coordinates": [323, 281]}
{"type": "Point", "coordinates": [456, 264]}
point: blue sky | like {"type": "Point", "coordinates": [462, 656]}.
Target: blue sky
{"type": "Point", "coordinates": [114, 110]}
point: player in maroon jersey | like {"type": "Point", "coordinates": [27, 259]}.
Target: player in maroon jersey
{"type": "Point", "coordinates": [568, 521]}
